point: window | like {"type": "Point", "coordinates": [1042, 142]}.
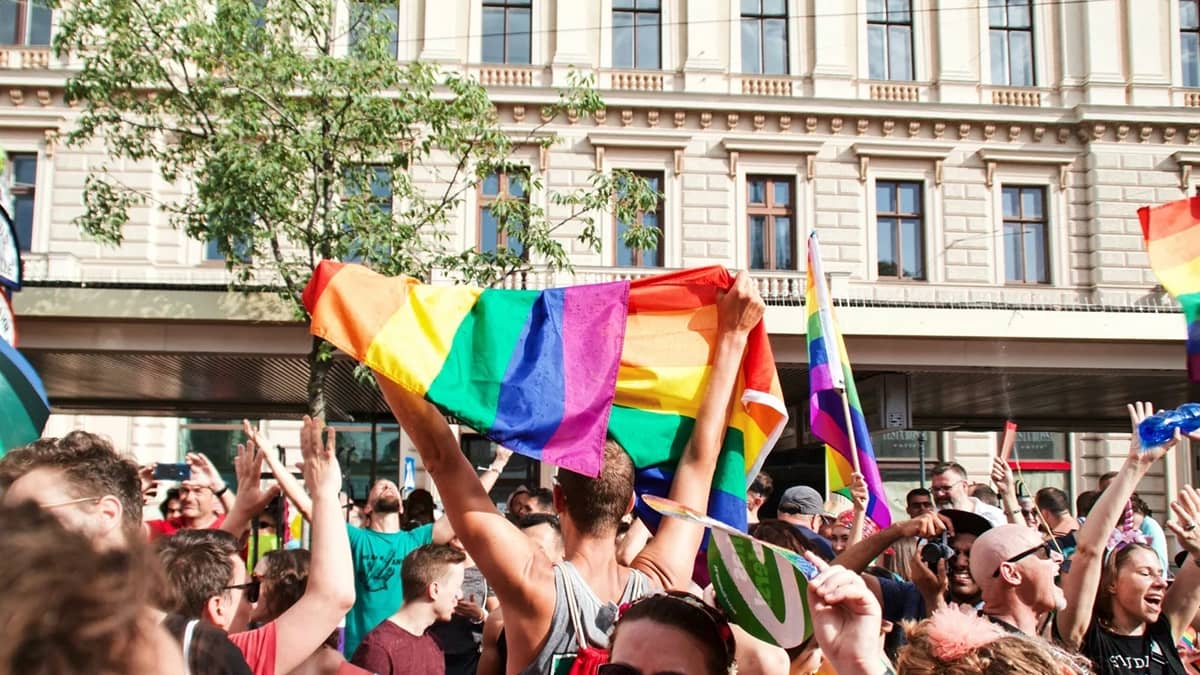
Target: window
{"type": "Point", "coordinates": [24, 22]}
{"type": "Point", "coordinates": [377, 179]}
{"type": "Point", "coordinates": [1011, 23]}
{"type": "Point", "coordinates": [521, 471]}
{"type": "Point", "coordinates": [240, 251]}
{"type": "Point", "coordinates": [770, 212]}
{"type": "Point", "coordinates": [1041, 459]}
{"type": "Point", "coordinates": [506, 31]}
{"type": "Point", "coordinates": [764, 37]}
{"type": "Point", "coordinates": [899, 218]}
{"type": "Point", "coordinates": [898, 454]}
{"type": "Point", "coordinates": [630, 257]}
{"type": "Point", "coordinates": [495, 227]}
{"type": "Point", "coordinates": [1189, 41]}
{"type": "Point", "coordinates": [890, 39]}
{"type": "Point", "coordinates": [22, 172]}
{"type": "Point", "coordinates": [637, 33]}
{"type": "Point", "coordinates": [1026, 236]}
{"type": "Point", "coordinates": [370, 15]}
{"type": "Point", "coordinates": [215, 439]}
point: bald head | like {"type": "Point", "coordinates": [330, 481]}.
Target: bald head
{"type": "Point", "coordinates": [1015, 571]}
{"type": "Point", "coordinates": [997, 545]}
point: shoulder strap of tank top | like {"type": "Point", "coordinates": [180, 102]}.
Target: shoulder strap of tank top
{"type": "Point", "coordinates": [187, 645]}
{"type": "Point", "coordinates": [573, 612]}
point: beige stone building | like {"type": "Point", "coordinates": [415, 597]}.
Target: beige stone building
{"type": "Point", "coordinates": [973, 170]}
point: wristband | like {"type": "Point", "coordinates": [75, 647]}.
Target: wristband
{"type": "Point", "coordinates": [222, 491]}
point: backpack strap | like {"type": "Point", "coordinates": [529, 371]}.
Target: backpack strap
{"type": "Point", "coordinates": [573, 606]}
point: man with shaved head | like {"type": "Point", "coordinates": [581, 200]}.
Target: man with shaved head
{"type": "Point", "coordinates": [1015, 571]}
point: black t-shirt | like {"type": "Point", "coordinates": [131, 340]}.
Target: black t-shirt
{"type": "Point", "coordinates": [1152, 653]}
{"type": "Point", "coordinates": [211, 652]}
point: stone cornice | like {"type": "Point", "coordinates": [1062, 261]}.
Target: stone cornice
{"type": "Point", "coordinates": [866, 151]}
{"type": "Point", "coordinates": [1060, 157]}
{"type": "Point", "coordinates": [657, 140]}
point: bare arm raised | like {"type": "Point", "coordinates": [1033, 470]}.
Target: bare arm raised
{"type": "Point", "coordinates": [668, 558]}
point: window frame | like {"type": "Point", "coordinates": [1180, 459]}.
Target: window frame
{"type": "Point", "coordinates": [21, 191]}
{"type": "Point", "coordinates": [1008, 32]}
{"type": "Point", "coordinates": [23, 24]}
{"type": "Point", "coordinates": [771, 211]}
{"type": "Point", "coordinates": [508, 6]}
{"type": "Point", "coordinates": [635, 13]}
{"type": "Point", "coordinates": [660, 214]}
{"type": "Point", "coordinates": [887, 23]}
{"type": "Point", "coordinates": [1044, 221]}
{"type": "Point", "coordinates": [483, 201]}
{"type": "Point", "coordinates": [1183, 74]}
{"type": "Point", "coordinates": [761, 17]}
{"type": "Point", "coordinates": [899, 216]}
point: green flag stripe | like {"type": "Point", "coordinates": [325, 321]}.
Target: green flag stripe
{"type": "Point", "coordinates": [646, 435]}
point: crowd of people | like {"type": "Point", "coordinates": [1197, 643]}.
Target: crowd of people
{"type": "Point", "coordinates": [980, 578]}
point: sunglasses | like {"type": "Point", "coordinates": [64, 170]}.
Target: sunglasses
{"type": "Point", "coordinates": [250, 587]}
{"type": "Point", "coordinates": [1046, 548]}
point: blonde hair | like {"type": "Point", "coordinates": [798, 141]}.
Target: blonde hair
{"type": "Point", "coordinates": [929, 652]}
{"type": "Point", "coordinates": [900, 560]}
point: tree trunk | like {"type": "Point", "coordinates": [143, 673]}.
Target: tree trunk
{"type": "Point", "coordinates": [318, 369]}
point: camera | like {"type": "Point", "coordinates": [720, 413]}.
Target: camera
{"type": "Point", "coordinates": [935, 550]}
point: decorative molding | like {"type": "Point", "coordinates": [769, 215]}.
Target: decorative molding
{"type": "Point", "coordinates": [759, 122]}
{"type": "Point", "coordinates": [862, 126]}
{"type": "Point", "coordinates": [51, 142]}
{"type": "Point", "coordinates": [1186, 160]}
{"type": "Point", "coordinates": [1064, 134]}
{"type": "Point", "coordinates": [810, 124]}
{"type": "Point", "coordinates": [1017, 97]}
{"type": "Point", "coordinates": [914, 128]}
{"type": "Point", "coordinates": [785, 122]}
{"type": "Point", "coordinates": [16, 96]}
{"type": "Point", "coordinates": [1038, 132]}
{"type": "Point", "coordinates": [1063, 159]}
{"type": "Point", "coordinates": [626, 117]}
{"type": "Point", "coordinates": [735, 146]}
{"type": "Point", "coordinates": [1014, 132]}
{"type": "Point", "coordinates": [731, 121]}
{"type": "Point", "coordinates": [543, 140]}
{"type": "Point", "coordinates": [1193, 135]}
{"type": "Point", "coordinates": [680, 119]}
{"type": "Point", "coordinates": [866, 151]}
{"type": "Point", "coordinates": [895, 92]}
{"type": "Point", "coordinates": [652, 119]}
{"type": "Point", "coordinates": [1144, 134]}
{"type": "Point", "coordinates": [1168, 134]}
{"type": "Point", "coordinates": [637, 81]}
{"type": "Point", "coordinates": [43, 97]}
{"type": "Point", "coordinates": [835, 125]}
{"type": "Point", "coordinates": [888, 126]}
{"type": "Point", "coordinates": [518, 113]}
{"type": "Point", "coordinates": [989, 130]}
{"type": "Point", "coordinates": [766, 86]}
{"type": "Point", "coordinates": [601, 117]}
{"type": "Point", "coordinates": [659, 140]}
{"type": "Point", "coordinates": [705, 120]}
{"type": "Point", "coordinates": [964, 130]}
{"type": "Point", "coordinates": [1122, 132]}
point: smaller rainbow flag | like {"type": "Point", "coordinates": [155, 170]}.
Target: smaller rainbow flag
{"type": "Point", "coordinates": [829, 375]}
{"type": "Point", "coordinates": [1172, 235]}
{"type": "Point", "coordinates": [534, 371]}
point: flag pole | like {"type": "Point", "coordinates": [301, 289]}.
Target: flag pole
{"type": "Point", "coordinates": [850, 430]}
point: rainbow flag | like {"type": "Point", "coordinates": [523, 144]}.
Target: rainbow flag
{"type": "Point", "coordinates": [828, 375]}
{"type": "Point", "coordinates": [532, 370]}
{"type": "Point", "coordinates": [669, 344]}
{"type": "Point", "coordinates": [1172, 235]}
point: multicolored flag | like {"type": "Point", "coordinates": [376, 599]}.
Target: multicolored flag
{"type": "Point", "coordinates": [24, 408]}
{"type": "Point", "coordinates": [1172, 235]}
{"type": "Point", "coordinates": [829, 378]}
{"type": "Point", "coordinates": [763, 588]}
{"type": "Point", "coordinates": [533, 370]}
{"type": "Point", "coordinates": [668, 355]}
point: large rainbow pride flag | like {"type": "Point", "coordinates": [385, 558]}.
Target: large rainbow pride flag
{"type": "Point", "coordinates": [1172, 235]}
{"type": "Point", "coordinates": [533, 370]}
{"type": "Point", "coordinates": [828, 375]}
{"type": "Point", "coordinates": [633, 356]}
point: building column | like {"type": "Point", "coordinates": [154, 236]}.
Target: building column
{"type": "Point", "coordinates": [574, 32]}
{"type": "Point", "coordinates": [1147, 41]}
{"type": "Point", "coordinates": [703, 69]}
{"type": "Point", "coordinates": [833, 37]}
{"type": "Point", "coordinates": [956, 24]}
{"type": "Point", "coordinates": [1104, 82]}
{"type": "Point", "coordinates": [441, 28]}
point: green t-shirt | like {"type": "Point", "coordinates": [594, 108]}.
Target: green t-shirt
{"type": "Point", "coordinates": [378, 593]}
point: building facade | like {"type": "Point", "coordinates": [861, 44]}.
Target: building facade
{"type": "Point", "coordinates": [973, 170]}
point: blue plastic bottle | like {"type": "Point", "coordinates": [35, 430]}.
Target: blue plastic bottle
{"type": "Point", "coordinates": [1160, 427]}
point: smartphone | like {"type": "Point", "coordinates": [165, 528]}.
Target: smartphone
{"type": "Point", "coordinates": [177, 472]}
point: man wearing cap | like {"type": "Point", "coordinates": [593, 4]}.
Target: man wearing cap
{"type": "Point", "coordinates": [961, 585]}
{"type": "Point", "coordinates": [803, 508]}
{"type": "Point", "coordinates": [1015, 571]}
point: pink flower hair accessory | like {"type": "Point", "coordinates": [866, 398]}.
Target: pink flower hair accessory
{"type": "Point", "coordinates": [958, 630]}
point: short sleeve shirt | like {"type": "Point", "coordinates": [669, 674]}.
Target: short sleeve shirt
{"type": "Point", "coordinates": [258, 647]}
{"type": "Point", "coordinates": [1152, 653]}
{"type": "Point", "coordinates": [378, 592]}
{"type": "Point", "coordinates": [391, 650]}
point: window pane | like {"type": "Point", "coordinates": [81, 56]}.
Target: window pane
{"type": "Point", "coordinates": [381, 183]}
{"type": "Point", "coordinates": [23, 215]}
{"type": "Point", "coordinates": [488, 228]}
{"type": "Point", "coordinates": [900, 65]}
{"type": "Point", "coordinates": [999, 42]}
{"type": "Point", "coordinates": [910, 198]}
{"type": "Point", "coordinates": [997, 17]}
{"type": "Point", "coordinates": [623, 4]}
{"type": "Point", "coordinates": [518, 36]}
{"type": "Point", "coordinates": [898, 11]}
{"type": "Point", "coordinates": [885, 197]}
{"type": "Point", "coordinates": [1188, 16]}
{"type": "Point", "coordinates": [622, 40]}
{"type": "Point", "coordinates": [1035, 253]}
{"type": "Point", "coordinates": [1012, 252]}
{"type": "Point", "coordinates": [1191, 59]}
{"type": "Point", "coordinates": [491, 184]}
{"type": "Point", "coordinates": [751, 47]}
{"type": "Point", "coordinates": [39, 23]}
{"type": "Point", "coordinates": [887, 247]}
{"type": "Point", "coordinates": [493, 35]}
{"type": "Point", "coordinates": [1018, 15]}
{"type": "Point", "coordinates": [783, 243]}
{"type": "Point", "coordinates": [912, 251]}
{"type": "Point", "coordinates": [647, 42]}
{"type": "Point", "coordinates": [211, 250]}
{"type": "Point", "coordinates": [875, 11]}
{"type": "Point", "coordinates": [756, 190]}
{"type": "Point", "coordinates": [1011, 199]}
{"type": "Point", "coordinates": [650, 257]}
{"type": "Point", "coordinates": [516, 186]}
{"type": "Point", "coordinates": [775, 46]}
{"type": "Point", "coordinates": [624, 253]}
{"type": "Point", "coordinates": [774, 7]}
{"type": "Point", "coordinates": [751, 6]}
{"type": "Point", "coordinates": [24, 169]}
{"type": "Point", "coordinates": [649, 4]}
{"type": "Point", "coordinates": [1040, 445]}
{"type": "Point", "coordinates": [1021, 54]}
{"type": "Point", "coordinates": [391, 14]}
{"type": "Point", "coordinates": [877, 52]}
{"type": "Point", "coordinates": [757, 243]}
{"type": "Point", "coordinates": [1031, 203]}
{"type": "Point", "coordinates": [8, 22]}
{"type": "Point", "coordinates": [781, 193]}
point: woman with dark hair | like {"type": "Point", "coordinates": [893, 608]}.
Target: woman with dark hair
{"type": "Point", "coordinates": [1120, 613]}
{"type": "Point", "coordinates": [672, 632]}
{"type": "Point", "coordinates": [282, 577]}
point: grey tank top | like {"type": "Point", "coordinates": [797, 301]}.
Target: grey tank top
{"type": "Point", "coordinates": [597, 617]}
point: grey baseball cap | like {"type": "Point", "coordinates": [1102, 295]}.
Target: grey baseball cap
{"type": "Point", "coordinates": [802, 500]}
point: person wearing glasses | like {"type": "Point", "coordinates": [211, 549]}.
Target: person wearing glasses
{"type": "Point", "coordinates": [757, 494]}
{"type": "Point", "coordinates": [1015, 571]}
{"type": "Point", "coordinates": [207, 579]}
{"type": "Point", "coordinates": [1119, 611]}
{"type": "Point", "coordinates": [951, 490]}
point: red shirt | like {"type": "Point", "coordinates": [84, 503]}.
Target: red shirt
{"type": "Point", "coordinates": [258, 646]}
{"type": "Point", "coordinates": [165, 528]}
{"type": "Point", "coordinates": [391, 650]}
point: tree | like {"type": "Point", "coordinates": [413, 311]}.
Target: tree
{"type": "Point", "coordinates": [301, 137]}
